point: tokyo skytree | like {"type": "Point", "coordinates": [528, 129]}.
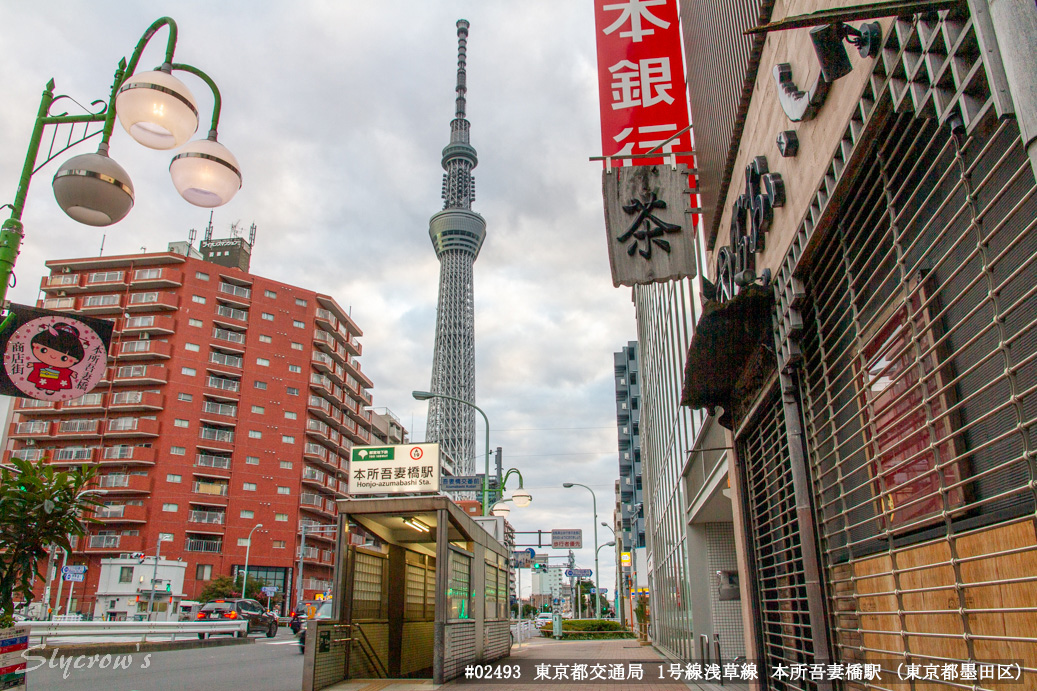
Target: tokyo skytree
{"type": "Point", "coordinates": [457, 233]}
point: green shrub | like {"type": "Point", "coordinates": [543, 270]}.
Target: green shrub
{"type": "Point", "coordinates": [588, 630]}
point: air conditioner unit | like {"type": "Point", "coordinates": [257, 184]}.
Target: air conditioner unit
{"type": "Point", "coordinates": [61, 293]}
{"type": "Point", "coordinates": [145, 336]}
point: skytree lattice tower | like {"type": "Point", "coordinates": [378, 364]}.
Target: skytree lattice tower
{"type": "Point", "coordinates": [457, 233]}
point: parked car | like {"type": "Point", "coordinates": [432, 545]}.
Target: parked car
{"type": "Point", "coordinates": [322, 611]}
{"type": "Point", "coordinates": [543, 618]}
{"type": "Point", "coordinates": [239, 608]}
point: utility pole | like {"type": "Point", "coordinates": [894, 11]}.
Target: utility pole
{"type": "Point", "coordinates": [154, 576]}
{"type": "Point", "coordinates": [51, 558]}
{"type": "Point", "coordinates": [499, 494]}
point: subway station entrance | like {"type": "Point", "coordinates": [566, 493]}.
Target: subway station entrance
{"type": "Point", "coordinates": [420, 591]}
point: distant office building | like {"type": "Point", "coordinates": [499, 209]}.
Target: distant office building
{"type": "Point", "coordinates": [230, 400]}
{"type": "Point", "coordinates": [630, 522]}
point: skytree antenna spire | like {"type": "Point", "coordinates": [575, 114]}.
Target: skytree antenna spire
{"type": "Point", "coordinates": [457, 234]}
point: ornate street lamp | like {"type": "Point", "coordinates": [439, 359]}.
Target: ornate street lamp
{"type": "Point", "coordinates": [159, 112]}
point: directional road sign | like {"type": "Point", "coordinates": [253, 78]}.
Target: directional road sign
{"type": "Point", "coordinates": [74, 568]}
{"type": "Point", "coordinates": [596, 591]}
{"type": "Point", "coordinates": [75, 577]}
{"type": "Point", "coordinates": [567, 539]}
{"type": "Point", "coordinates": [460, 483]}
{"type": "Point", "coordinates": [521, 559]}
{"type": "Point", "coordinates": [270, 590]}
{"type": "Point", "coordinates": [579, 573]}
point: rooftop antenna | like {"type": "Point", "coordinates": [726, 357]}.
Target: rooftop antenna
{"type": "Point", "coordinates": [100, 252]}
{"type": "Point", "coordinates": [191, 236]}
{"type": "Point", "coordinates": [208, 229]}
{"type": "Point", "coordinates": [235, 232]}
{"type": "Point", "coordinates": [252, 236]}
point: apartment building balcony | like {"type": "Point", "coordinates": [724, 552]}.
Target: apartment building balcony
{"type": "Point", "coordinates": [29, 430]}
{"type": "Point", "coordinates": [137, 375]}
{"type": "Point", "coordinates": [151, 324]}
{"type": "Point", "coordinates": [121, 513]}
{"type": "Point", "coordinates": [322, 362]}
{"type": "Point", "coordinates": [311, 501]}
{"type": "Point", "coordinates": [235, 293]}
{"type": "Point", "coordinates": [114, 543]}
{"type": "Point", "coordinates": [208, 518]}
{"type": "Point", "coordinates": [230, 340]}
{"type": "Point", "coordinates": [314, 477]}
{"type": "Point", "coordinates": [212, 461]}
{"type": "Point", "coordinates": [222, 387]}
{"type": "Point", "coordinates": [231, 316]}
{"type": "Point", "coordinates": [316, 583]}
{"type": "Point", "coordinates": [125, 454]}
{"type": "Point", "coordinates": [72, 455]}
{"type": "Point", "coordinates": [322, 409]}
{"type": "Point", "coordinates": [132, 427]}
{"type": "Point", "coordinates": [157, 277]}
{"type": "Point", "coordinates": [72, 429]}
{"type": "Point", "coordinates": [322, 383]}
{"type": "Point", "coordinates": [152, 301]}
{"type": "Point", "coordinates": [117, 483]}
{"type": "Point", "coordinates": [325, 317]}
{"type": "Point", "coordinates": [58, 283]}
{"type": "Point", "coordinates": [314, 451]}
{"type": "Point", "coordinates": [353, 368]}
{"type": "Point", "coordinates": [211, 488]}
{"type": "Point", "coordinates": [225, 361]}
{"type": "Point", "coordinates": [31, 406]}
{"type": "Point", "coordinates": [216, 439]}
{"type": "Point", "coordinates": [137, 400]}
{"type": "Point", "coordinates": [145, 349]}
{"type": "Point", "coordinates": [219, 413]}
{"type": "Point", "coordinates": [61, 304]}
{"type": "Point", "coordinates": [99, 305]}
{"type": "Point", "coordinates": [194, 544]}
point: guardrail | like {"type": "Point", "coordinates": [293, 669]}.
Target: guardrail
{"type": "Point", "coordinates": [522, 631]}
{"type": "Point", "coordinates": [143, 629]}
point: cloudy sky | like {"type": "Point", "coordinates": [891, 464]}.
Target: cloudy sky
{"type": "Point", "coordinates": [337, 112]}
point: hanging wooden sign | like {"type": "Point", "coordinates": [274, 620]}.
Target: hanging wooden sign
{"type": "Point", "coordinates": [649, 230]}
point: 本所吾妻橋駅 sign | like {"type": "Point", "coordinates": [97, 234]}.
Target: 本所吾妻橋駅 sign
{"type": "Point", "coordinates": [402, 469]}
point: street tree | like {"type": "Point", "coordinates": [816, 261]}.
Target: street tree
{"type": "Point", "coordinates": [40, 506]}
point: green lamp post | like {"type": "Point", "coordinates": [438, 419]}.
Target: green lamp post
{"type": "Point", "coordinates": [159, 112]}
{"type": "Point", "coordinates": [426, 395]}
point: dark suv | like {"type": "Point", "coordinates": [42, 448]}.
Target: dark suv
{"type": "Point", "coordinates": [239, 608]}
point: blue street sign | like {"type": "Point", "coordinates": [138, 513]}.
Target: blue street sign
{"type": "Point", "coordinates": [532, 552]}
{"type": "Point", "coordinates": [460, 483]}
{"type": "Point", "coordinates": [74, 568]}
{"type": "Point", "coordinates": [270, 590]}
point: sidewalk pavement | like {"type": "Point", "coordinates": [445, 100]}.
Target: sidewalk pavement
{"type": "Point", "coordinates": [544, 650]}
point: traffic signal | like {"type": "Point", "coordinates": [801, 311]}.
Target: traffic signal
{"type": "Point", "coordinates": [537, 566]}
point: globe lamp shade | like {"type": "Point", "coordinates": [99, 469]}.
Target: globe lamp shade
{"type": "Point", "coordinates": [157, 110]}
{"type": "Point", "coordinates": [501, 510]}
{"type": "Point", "coordinates": [93, 189]}
{"type": "Point", "coordinates": [521, 498]}
{"type": "Point", "coordinates": [205, 173]}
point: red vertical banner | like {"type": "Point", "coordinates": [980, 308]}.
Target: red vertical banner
{"type": "Point", "coordinates": [641, 85]}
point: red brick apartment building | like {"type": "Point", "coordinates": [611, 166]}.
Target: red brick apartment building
{"type": "Point", "coordinates": [229, 400]}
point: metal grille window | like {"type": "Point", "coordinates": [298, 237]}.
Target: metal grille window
{"type": "Point", "coordinates": [920, 395]}
{"type": "Point", "coordinates": [420, 602]}
{"type": "Point", "coordinates": [368, 586]}
{"type": "Point", "coordinates": [459, 590]}
{"type": "Point", "coordinates": [781, 598]}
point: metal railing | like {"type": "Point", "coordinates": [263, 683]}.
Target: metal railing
{"type": "Point", "coordinates": [141, 629]}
